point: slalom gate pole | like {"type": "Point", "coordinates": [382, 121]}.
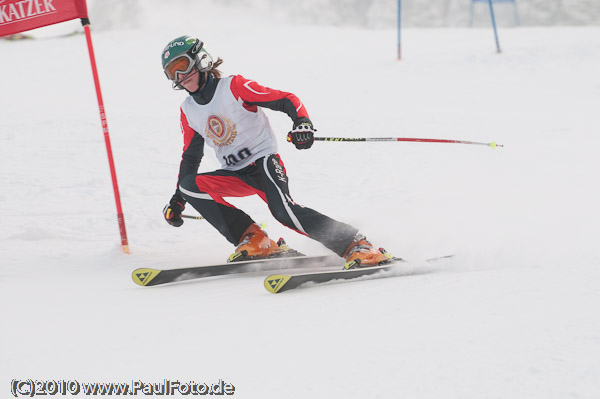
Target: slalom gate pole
{"type": "Point", "coordinates": [364, 139]}
{"type": "Point", "coordinates": [124, 243]}
{"type": "Point", "coordinates": [494, 25]}
{"type": "Point", "coordinates": [399, 21]}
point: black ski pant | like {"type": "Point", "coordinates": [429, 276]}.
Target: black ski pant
{"type": "Point", "coordinates": [267, 178]}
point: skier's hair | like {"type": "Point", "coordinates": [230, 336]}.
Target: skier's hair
{"type": "Point", "coordinates": [214, 71]}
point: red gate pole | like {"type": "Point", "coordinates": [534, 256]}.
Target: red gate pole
{"type": "Point", "coordinates": [124, 244]}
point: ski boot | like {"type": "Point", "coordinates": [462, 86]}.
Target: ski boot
{"type": "Point", "coordinates": [255, 244]}
{"type": "Point", "coordinates": [361, 253]}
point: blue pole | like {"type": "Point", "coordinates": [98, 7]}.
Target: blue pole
{"type": "Point", "coordinates": [399, 24]}
{"type": "Point", "coordinates": [494, 25]}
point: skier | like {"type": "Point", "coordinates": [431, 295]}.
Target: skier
{"type": "Point", "coordinates": [225, 113]}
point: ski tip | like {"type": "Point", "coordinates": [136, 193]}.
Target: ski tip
{"type": "Point", "coordinates": [437, 258]}
{"type": "Point", "coordinates": [144, 276]}
{"type": "Point", "coordinates": [274, 283]}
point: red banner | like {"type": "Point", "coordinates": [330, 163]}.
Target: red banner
{"type": "Point", "coordinates": [21, 15]}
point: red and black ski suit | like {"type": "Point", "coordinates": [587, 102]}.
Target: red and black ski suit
{"type": "Point", "coordinates": [225, 115]}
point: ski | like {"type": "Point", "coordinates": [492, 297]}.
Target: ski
{"type": "Point", "coordinates": [277, 283]}
{"type": "Point", "coordinates": [150, 277]}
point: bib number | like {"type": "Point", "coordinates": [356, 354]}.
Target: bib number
{"type": "Point", "coordinates": [233, 159]}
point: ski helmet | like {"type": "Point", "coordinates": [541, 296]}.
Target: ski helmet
{"type": "Point", "coordinates": [181, 55]}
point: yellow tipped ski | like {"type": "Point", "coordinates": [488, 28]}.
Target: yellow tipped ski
{"type": "Point", "coordinates": [275, 282]}
{"type": "Point", "coordinates": [144, 276]}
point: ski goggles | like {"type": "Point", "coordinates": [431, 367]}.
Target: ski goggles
{"type": "Point", "coordinates": [184, 63]}
{"type": "Point", "coordinates": [180, 65]}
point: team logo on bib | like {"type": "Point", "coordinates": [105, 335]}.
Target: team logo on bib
{"type": "Point", "coordinates": [220, 130]}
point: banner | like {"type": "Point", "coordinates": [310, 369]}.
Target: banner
{"type": "Point", "coordinates": [21, 15]}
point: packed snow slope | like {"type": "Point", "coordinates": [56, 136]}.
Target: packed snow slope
{"type": "Point", "coordinates": [513, 315]}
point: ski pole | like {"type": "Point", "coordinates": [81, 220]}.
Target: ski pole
{"type": "Point", "coordinates": [357, 139]}
{"type": "Point", "coordinates": [192, 217]}
{"type": "Point", "coordinates": [262, 225]}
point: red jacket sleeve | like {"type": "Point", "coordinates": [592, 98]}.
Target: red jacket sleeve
{"type": "Point", "coordinates": [193, 149]}
{"type": "Point", "coordinates": [251, 94]}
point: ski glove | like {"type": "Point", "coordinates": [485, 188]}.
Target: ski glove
{"type": "Point", "coordinates": [303, 134]}
{"type": "Point", "coordinates": [173, 210]}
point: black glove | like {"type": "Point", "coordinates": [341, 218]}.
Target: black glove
{"type": "Point", "coordinates": [173, 210]}
{"type": "Point", "coordinates": [303, 134]}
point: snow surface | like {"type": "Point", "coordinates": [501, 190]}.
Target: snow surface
{"type": "Point", "coordinates": [513, 315]}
